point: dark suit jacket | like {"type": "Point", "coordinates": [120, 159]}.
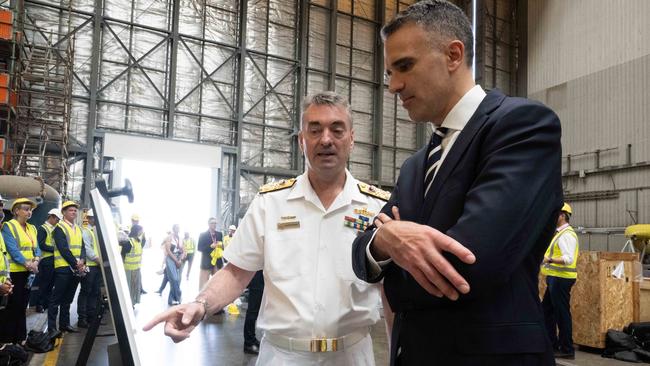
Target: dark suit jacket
{"type": "Point", "coordinates": [203, 246]}
{"type": "Point", "coordinates": [498, 192]}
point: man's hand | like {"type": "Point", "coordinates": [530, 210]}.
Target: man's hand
{"type": "Point", "coordinates": [6, 288]}
{"type": "Point", "coordinates": [32, 266]}
{"type": "Point", "coordinates": [179, 320]}
{"type": "Point", "coordinates": [418, 249]}
{"type": "Point", "coordinates": [80, 265]}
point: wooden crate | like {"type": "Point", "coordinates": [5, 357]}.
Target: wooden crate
{"type": "Point", "coordinates": [600, 301]}
{"type": "Point", "coordinates": [644, 301]}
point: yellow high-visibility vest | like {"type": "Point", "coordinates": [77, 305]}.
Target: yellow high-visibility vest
{"type": "Point", "coordinates": [26, 240]}
{"type": "Point", "coordinates": [91, 232]}
{"type": "Point", "coordinates": [189, 245]}
{"type": "Point", "coordinates": [553, 251]}
{"type": "Point", "coordinates": [133, 259]}
{"type": "Point", "coordinates": [75, 241]}
{"type": "Point", "coordinates": [48, 239]}
{"type": "Point", "coordinates": [4, 261]}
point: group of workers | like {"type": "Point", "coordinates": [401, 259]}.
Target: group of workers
{"type": "Point", "coordinates": [454, 251]}
{"type": "Point", "coordinates": [54, 258]}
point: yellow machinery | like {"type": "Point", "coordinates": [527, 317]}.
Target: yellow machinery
{"type": "Point", "coordinates": [639, 236]}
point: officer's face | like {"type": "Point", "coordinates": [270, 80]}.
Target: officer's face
{"type": "Point", "coordinates": [326, 138]}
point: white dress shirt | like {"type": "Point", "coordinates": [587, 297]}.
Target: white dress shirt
{"type": "Point", "coordinates": [455, 121]}
{"type": "Point", "coordinates": [310, 288]}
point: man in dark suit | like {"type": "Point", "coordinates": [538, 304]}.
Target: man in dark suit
{"type": "Point", "coordinates": [461, 240]}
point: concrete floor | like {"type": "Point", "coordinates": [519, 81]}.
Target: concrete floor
{"type": "Point", "coordinates": [217, 341]}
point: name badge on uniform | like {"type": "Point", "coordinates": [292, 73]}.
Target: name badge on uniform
{"type": "Point", "coordinates": [288, 222]}
{"type": "Point", "coordinates": [361, 221]}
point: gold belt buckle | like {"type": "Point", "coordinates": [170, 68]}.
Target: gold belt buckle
{"type": "Point", "coordinates": [323, 345]}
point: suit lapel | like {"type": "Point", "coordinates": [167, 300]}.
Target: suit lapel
{"type": "Point", "coordinates": [492, 100]}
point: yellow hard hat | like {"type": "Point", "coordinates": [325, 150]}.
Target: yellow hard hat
{"type": "Point", "coordinates": [566, 208]}
{"type": "Point", "coordinates": [135, 217]}
{"type": "Point", "coordinates": [67, 204]}
{"type": "Point", "coordinates": [19, 201]}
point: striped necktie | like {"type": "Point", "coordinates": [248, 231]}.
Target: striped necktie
{"type": "Point", "coordinates": [433, 157]}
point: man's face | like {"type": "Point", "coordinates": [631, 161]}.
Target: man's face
{"type": "Point", "coordinates": [23, 212]}
{"type": "Point", "coordinates": [326, 138]}
{"type": "Point", "coordinates": [231, 232]}
{"type": "Point", "coordinates": [417, 72]}
{"type": "Point", "coordinates": [176, 229]}
{"type": "Point", "coordinates": [91, 220]}
{"type": "Point", "coordinates": [212, 225]}
{"type": "Point", "coordinates": [70, 214]}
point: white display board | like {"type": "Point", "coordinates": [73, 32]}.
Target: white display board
{"type": "Point", "coordinates": [115, 280]}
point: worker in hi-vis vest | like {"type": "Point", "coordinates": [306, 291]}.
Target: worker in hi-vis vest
{"type": "Point", "coordinates": [45, 277]}
{"type": "Point", "coordinates": [89, 294]}
{"type": "Point", "coordinates": [190, 247]}
{"type": "Point", "coordinates": [6, 288]}
{"type": "Point", "coordinates": [69, 267]}
{"type": "Point", "coordinates": [20, 242]}
{"type": "Point", "coordinates": [559, 266]}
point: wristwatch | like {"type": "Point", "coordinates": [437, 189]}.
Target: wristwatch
{"type": "Point", "coordinates": [204, 302]}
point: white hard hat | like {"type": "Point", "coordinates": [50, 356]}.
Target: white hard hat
{"type": "Point", "coordinates": [55, 212]}
{"type": "Point", "coordinates": [90, 213]}
{"type": "Point", "coordinates": [232, 227]}
{"type": "Point", "coordinates": [2, 199]}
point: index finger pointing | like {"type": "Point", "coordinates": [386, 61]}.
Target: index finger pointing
{"type": "Point", "coordinates": [157, 320]}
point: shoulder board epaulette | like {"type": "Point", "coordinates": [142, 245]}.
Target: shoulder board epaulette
{"type": "Point", "coordinates": [277, 186]}
{"type": "Point", "coordinates": [373, 191]}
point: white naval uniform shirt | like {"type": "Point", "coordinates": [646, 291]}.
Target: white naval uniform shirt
{"type": "Point", "coordinates": [310, 289]}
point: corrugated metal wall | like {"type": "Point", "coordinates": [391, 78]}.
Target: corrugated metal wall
{"type": "Point", "coordinates": [183, 69]}
{"type": "Point", "coordinates": [590, 62]}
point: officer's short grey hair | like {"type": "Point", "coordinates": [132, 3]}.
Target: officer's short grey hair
{"type": "Point", "coordinates": [328, 98]}
{"type": "Point", "coordinates": [438, 18]}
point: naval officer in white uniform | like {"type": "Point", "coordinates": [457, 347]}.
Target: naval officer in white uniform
{"type": "Point", "coordinates": [299, 232]}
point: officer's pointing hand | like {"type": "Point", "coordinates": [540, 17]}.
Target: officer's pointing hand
{"type": "Point", "coordinates": [410, 246]}
{"type": "Point", "coordinates": [179, 320]}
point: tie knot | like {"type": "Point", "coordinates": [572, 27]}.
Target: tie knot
{"type": "Point", "coordinates": [438, 135]}
{"type": "Point", "coordinates": [441, 131]}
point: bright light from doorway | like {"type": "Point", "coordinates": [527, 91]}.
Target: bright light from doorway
{"type": "Point", "coordinates": [167, 194]}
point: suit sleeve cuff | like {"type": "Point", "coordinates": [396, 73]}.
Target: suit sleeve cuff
{"type": "Point", "coordinates": [375, 267]}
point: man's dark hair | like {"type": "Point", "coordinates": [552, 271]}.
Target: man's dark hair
{"type": "Point", "coordinates": [436, 16]}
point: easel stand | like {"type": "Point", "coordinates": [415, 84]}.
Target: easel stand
{"type": "Point", "coordinates": [91, 334]}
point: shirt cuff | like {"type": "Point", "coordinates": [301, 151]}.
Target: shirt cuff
{"type": "Point", "coordinates": [375, 267]}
